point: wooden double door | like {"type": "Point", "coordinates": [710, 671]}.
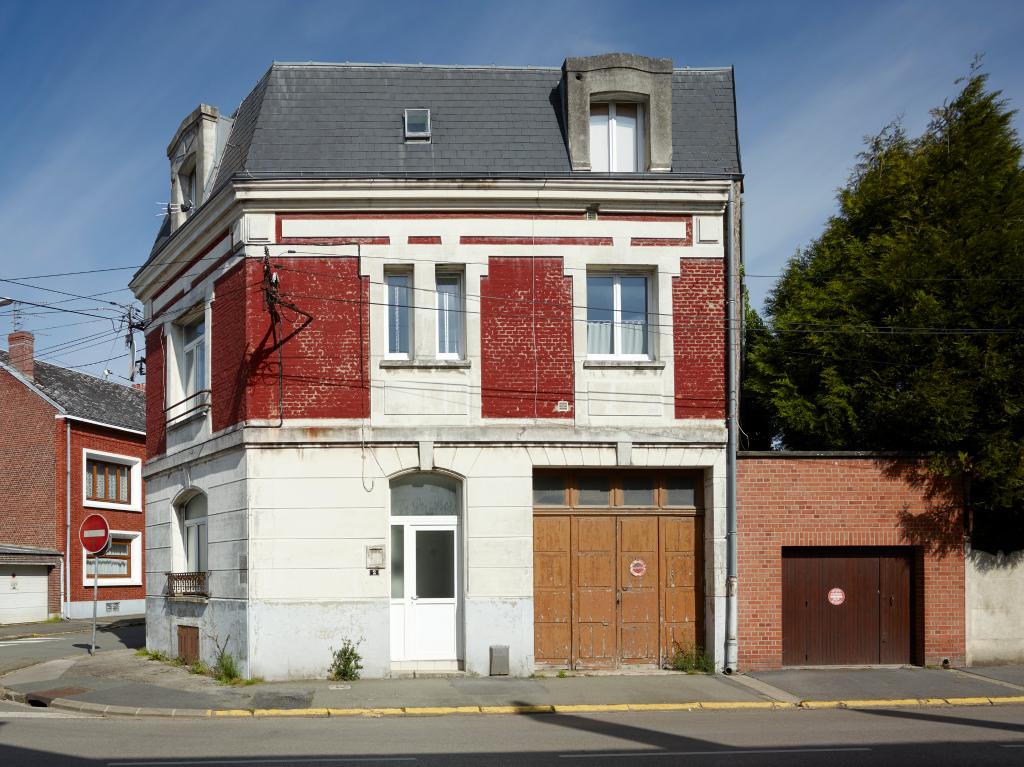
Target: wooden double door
{"type": "Point", "coordinates": [847, 606]}
{"type": "Point", "coordinates": [615, 590]}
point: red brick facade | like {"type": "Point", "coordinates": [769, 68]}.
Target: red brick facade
{"type": "Point", "coordinates": [698, 331]}
{"type": "Point", "coordinates": [845, 501]}
{"type": "Point", "coordinates": [156, 419]}
{"type": "Point", "coordinates": [526, 338]}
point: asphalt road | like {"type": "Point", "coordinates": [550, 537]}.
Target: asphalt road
{"type": "Point", "coordinates": [18, 653]}
{"type": "Point", "coordinates": [837, 738]}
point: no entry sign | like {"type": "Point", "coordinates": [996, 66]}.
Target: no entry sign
{"type": "Point", "coordinates": [94, 534]}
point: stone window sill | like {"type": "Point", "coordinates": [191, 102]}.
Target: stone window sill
{"type": "Point", "coordinates": [425, 364]}
{"type": "Point", "coordinates": [625, 364]}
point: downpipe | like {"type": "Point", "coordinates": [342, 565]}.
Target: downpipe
{"type": "Point", "coordinates": [732, 329]}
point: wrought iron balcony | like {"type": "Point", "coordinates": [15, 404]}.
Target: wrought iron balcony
{"type": "Point", "coordinates": [187, 584]}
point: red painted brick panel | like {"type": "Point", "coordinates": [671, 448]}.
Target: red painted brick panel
{"type": "Point", "coordinates": [698, 331]}
{"type": "Point", "coordinates": [526, 338]}
{"type": "Point", "coordinates": [156, 421]}
{"type": "Point", "coordinates": [230, 369]}
{"type": "Point", "coordinates": [86, 436]}
{"type": "Point", "coordinates": [845, 502]}
{"type": "Point", "coordinates": [325, 361]}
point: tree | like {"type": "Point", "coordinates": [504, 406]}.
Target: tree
{"type": "Point", "coordinates": [902, 326]}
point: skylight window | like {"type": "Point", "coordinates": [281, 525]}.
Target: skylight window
{"type": "Point", "coordinates": [417, 123]}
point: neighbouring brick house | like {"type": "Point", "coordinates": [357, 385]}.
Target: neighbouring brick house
{"type": "Point", "coordinates": [848, 559]}
{"type": "Point", "coordinates": [473, 398]}
{"type": "Point", "coordinates": [72, 445]}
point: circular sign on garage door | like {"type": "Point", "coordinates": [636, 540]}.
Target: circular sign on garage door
{"type": "Point", "coordinates": [836, 596]}
{"type": "Point", "coordinates": [637, 567]}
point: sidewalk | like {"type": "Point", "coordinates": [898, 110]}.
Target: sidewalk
{"type": "Point", "coordinates": [121, 683]}
{"type": "Point", "coordinates": [44, 628]}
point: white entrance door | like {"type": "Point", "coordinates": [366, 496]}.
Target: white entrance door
{"type": "Point", "coordinates": [424, 562]}
{"type": "Point", "coordinates": [427, 611]}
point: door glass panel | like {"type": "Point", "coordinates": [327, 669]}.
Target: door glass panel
{"type": "Point", "coordinates": [637, 491]}
{"type": "Point", "coordinates": [429, 495]}
{"type": "Point", "coordinates": [435, 564]}
{"type": "Point", "coordinates": [680, 491]}
{"type": "Point", "coordinates": [593, 490]}
{"type": "Point", "coordinates": [397, 561]}
{"type": "Point", "coordinates": [548, 490]}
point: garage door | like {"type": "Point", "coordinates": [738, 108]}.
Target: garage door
{"type": "Point", "coordinates": [615, 586]}
{"type": "Point", "coordinates": [846, 606]}
{"type": "Point", "coordinates": [22, 593]}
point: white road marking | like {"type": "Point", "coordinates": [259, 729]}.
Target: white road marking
{"type": "Point", "coordinates": [297, 760]}
{"type": "Point", "coordinates": [40, 715]}
{"type": "Point", "coordinates": [723, 752]}
{"type": "Point", "coordinates": [27, 640]}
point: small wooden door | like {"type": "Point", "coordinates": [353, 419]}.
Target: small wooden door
{"type": "Point", "coordinates": [188, 643]}
{"type": "Point", "coordinates": [638, 584]}
{"type": "Point", "coordinates": [894, 607]}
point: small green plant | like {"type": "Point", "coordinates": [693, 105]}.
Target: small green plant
{"type": "Point", "coordinates": [200, 668]}
{"type": "Point", "coordinates": [346, 662]}
{"type": "Point", "coordinates": [562, 674]}
{"type": "Point", "coordinates": [226, 668]}
{"type": "Point", "coordinates": [691, 659]}
{"type": "Point", "coordinates": [152, 655]}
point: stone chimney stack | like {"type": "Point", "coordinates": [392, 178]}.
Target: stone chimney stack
{"type": "Point", "coordinates": [21, 347]}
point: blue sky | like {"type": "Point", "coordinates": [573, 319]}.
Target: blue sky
{"type": "Point", "coordinates": [94, 91]}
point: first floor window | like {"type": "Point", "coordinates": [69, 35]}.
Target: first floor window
{"type": "Point", "coordinates": [399, 314]}
{"type": "Point", "coordinates": [194, 353]}
{"type": "Point", "coordinates": [107, 482]}
{"type": "Point", "coordinates": [616, 138]}
{"type": "Point", "coordinates": [617, 316]}
{"type": "Point", "coordinates": [115, 563]}
{"type": "Point", "coordinates": [449, 316]}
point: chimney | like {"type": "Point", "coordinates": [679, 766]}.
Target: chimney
{"type": "Point", "coordinates": [21, 347]}
{"type": "Point", "coordinates": [139, 386]}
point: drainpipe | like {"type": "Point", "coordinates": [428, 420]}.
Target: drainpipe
{"type": "Point", "coordinates": [65, 584]}
{"type": "Point", "coordinates": [731, 336]}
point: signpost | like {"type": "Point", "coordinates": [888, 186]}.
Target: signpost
{"type": "Point", "coordinates": [94, 536]}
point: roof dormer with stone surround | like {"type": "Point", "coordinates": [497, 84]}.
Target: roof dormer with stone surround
{"type": "Point", "coordinates": [194, 154]}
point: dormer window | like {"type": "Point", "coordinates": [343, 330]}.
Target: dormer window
{"type": "Point", "coordinates": [617, 137]}
{"type": "Point", "coordinates": [417, 124]}
{"type": "Point", "coordinates": [187, 182]}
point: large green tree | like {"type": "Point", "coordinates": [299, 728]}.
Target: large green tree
{"type": "Point", "coordinates": [902, 326]}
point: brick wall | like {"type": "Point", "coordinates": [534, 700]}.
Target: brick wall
{"type": "Point", "coordinates": [156, 421]}
{"type": "Point", "coordinates": [698, 328]}
{"type": "Point", "coordinates": [230, 370]}
{"type": "Point", "coordinates": [526, 338]}
{"type": "Point", "coordinates": [845, 501]}
{"type": "Point", "coordinates": [87, 436]}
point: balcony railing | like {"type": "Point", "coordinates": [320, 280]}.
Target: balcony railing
{"type": "Point", "coordinates": [187, 584]}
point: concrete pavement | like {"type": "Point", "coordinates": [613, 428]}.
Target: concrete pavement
{"type": "Point", "coordinates": [120, 682]}
{"type": "Point", "coordinates": [39, 645]}
{"type": "Point", "coordinates": [47, 628]}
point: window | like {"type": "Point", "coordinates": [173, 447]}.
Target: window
{"type": "Point", "coordinates": [449, 316]}
{"type": "Point", "coordinates": [605, 491]}
{"type": "Point", "coordinates": [108, 482]}
{"type": "Point", "coordinates": [399, 315]}
{"type": "Point", "coordinates": [116, 562]}
{"type": "Point", "coordinates": [617, 316]}
{"type": "Point", "coordinates": [194, 521]}
{"type": "Point", "coordinates": [193, 378]}
{"type": "Point", "coordinates": [187, 181]}
{"type": "Point", "coordinates": [617, 138]}
{"type": "Point", "coordinates": [417, 123]}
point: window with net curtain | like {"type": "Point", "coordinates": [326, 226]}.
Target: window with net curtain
{"type": "Point", "coordinates": [618, 306]}
{"type": "Point", "coordinates": [194, 524]}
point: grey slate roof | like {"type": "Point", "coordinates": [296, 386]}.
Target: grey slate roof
{"type": "Point", "coordinates": [85, 396]}
{"type": "Point", "coordinates": [345, 121]}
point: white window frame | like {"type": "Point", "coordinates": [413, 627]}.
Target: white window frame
{"type": "Point", "coordinates": [641, 136]}
{"type": "Point", "coordinates": [188, 524]}
{"type": "Point", "coordinates": [616, 275]}
{"type": "Point", "coordinates": [135, 478]}
{"type": "Point", "coordinates": [417, 135]}
{"type": "Point", "coordinates": [135, 579]}
{"type": "Point", "coordinates": [408, 274]}
{"type": "Point", "coordinates": [459, 311]}
{"type": "Point", "coordinates": [185, 410]}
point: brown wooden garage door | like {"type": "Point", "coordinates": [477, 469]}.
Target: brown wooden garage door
{"type": "Point", "coordinates": [846, 606]}
{"type": "Point", "coordinates": [614, 585]}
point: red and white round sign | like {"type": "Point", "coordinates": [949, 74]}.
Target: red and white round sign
{"type": "Point", "coordinates": [637, 567]}
{"type": "Point", "coordinates": [837, 596]}
{"type": "Point", "coordinates": [94, 534]}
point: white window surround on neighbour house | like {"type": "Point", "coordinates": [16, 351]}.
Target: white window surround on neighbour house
{"type": "Point", "coordinates": [125, 554]}
{"type": "Point", "coordinates": [617, 137]}
{"type": "Point", "coordinates": [99, 459]}
{"type": "Point", "coordinates": [618, 316]}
